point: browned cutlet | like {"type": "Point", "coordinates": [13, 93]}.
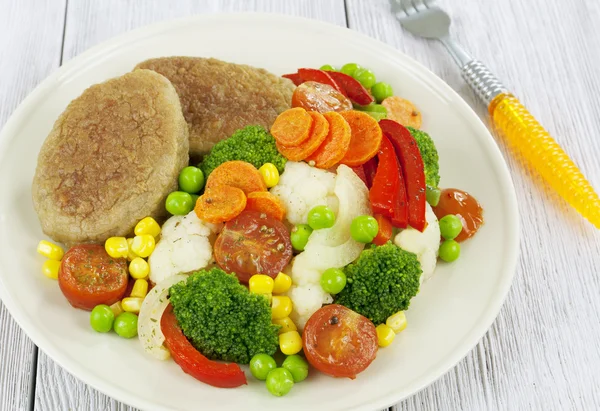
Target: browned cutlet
{"type": "Point", "coordinates": [219, 98]}
{"type": "Point", "coordinates": [111, 159]}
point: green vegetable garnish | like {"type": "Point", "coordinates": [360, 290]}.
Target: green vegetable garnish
{"type": "Point", "coordinates": [449, 251]}
{"type": "Point", "coordinates": [279, 381]}
{"type": "Point", "coordinates": [450, 226]}
{"type": "Point", "coordinates": [321, 217]}
{"type": "Point", "coordinates": [364, 228]}
{"type": "Point", "coordinates": [381, 91]}
{"type": "Point", "coordinates": [261, 364]}
{"type": "Point", "coordinates": [333, 280]}
{"type": "Point", "coordinates": [126, 325]}
{"type": "Point", "coordinates": [191, 180]}
{"type": "Point", "coordinates": [349, 68]}
{"type": "Point", "coordinates": [365, 76]}
{"type": "Point", "coordinates": [430, 156]}
{"type": "Point", "coordinates": [102, 318]}
{"type": "Point", "coordinates": [299, 236]}
{"type": "Point", "coordinates": [297, 366]}
{"type": "Point", "coordinates": [381, 282]}
{"type": "Point", "coordinates": [179, 203]}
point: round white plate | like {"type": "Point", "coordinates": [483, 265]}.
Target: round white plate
{"type": "Point", "coordinates": [446, 320]}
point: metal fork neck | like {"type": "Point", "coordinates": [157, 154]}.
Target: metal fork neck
{"type": "Point", "coordinates": [460, 56]}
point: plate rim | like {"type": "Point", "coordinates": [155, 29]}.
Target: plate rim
{"type": "Point", "coordinates": [470, 340]}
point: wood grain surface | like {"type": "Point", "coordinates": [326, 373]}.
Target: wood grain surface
{"type": "Point", "coordinates": [542, 352]}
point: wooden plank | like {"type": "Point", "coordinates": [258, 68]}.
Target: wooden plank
{"type": "Point", "coordinates": [89, 23]}
{"type": "Point", "coordinates": [30, 43]}
{"type": "Point", "coordinates": [535, 356]}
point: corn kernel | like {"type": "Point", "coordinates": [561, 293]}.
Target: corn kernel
{"type": "Point", "coordinates": [385, 335]}
{"type": "Point", "coordinates": [147, 225]}
{"type": "Point", "coordinates": [130, 254]}
{"type": "Point", "coordinates": [132, 304]}
{"type": "Point", "coordinates": [282, 283]}
{"type": "Point", "coordinates": [281, 307]}
{"type": "Point", "coordinates": [290, 343]}
{"type": "Point", "coordinates": [286, 325]}
{"type": "Point", "coordinates": [397, 322]}
{"type": "Point", "coordinates": [49, 250]}
{"type": "Point", "coordinates": [140, 289]}
{"type": "Point", "coordinates": [117, 309]}
{"type": "Point", "coordinates": [143, 245]}
{"type": "Point", "coordinates": [139, 268]}
{"type": "Point", "coordinates": [260, 284]}
{"type": "Point", "coordinates": [51, 268]}
{"type": "Point", "coordinates": [117, 247]}
{"type": "Point", "coordinates": [270, 174]}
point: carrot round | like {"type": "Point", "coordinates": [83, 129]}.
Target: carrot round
{"type": "Point", "coordinates": [237, 174]}
{"type": "Point", "coordinates": [365, 140]}
{"type": "Point", "coordinates": [265, 202]}
{"type": "Point", "coordinates": [318, 134]}
{"type": "Point", "coordinates": [292, 127]}
{"type": "Point", "coordinates": [220, 204]}
{"type": "Point", "coordinates": [335, 145]}
{"type": "Point", "coordinates": [402, 111]}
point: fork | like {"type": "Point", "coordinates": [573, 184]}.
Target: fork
{"type": "Point", "coordinates": [525, 136]}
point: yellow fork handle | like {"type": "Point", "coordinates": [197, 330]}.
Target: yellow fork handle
{"type": "Point", "coordinates": [526, 137]}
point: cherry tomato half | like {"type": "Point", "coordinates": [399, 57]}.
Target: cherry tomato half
{"type": "Point", "coordinates": [253, 243]}
{"type": "Point", "coordinates": [314, 96]}
{"type": "Point", "coordinates": [89, 276]}
{"type": "Point", "coordinates": [339, 342]}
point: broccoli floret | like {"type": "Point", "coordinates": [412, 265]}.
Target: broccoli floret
{"type": "Point", "coordinates": [222, 319]}
{"type": "Point", "coordinates": [252, 144]}
{"type": "Point", "coordinates": [381, 282]}
{"type": "Point", "coordinates": [430, 156]}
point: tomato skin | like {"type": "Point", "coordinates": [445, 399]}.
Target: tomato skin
{"type": "Point", "coordinates": [89, 276]}
{"type": "Point", "coordinates": [339, 342]}
{"type": "Point", "coordinates": [253, 243]}
{"type": "Point", "coordinates": [385, 230]}
{"type": "Point", "coordinates": [313, 96]}
{"type": "Point", "coordinates": [192, 362]}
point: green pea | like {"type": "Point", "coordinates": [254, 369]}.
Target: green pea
{"type": "Point", "coordinates": [179, 203]}
{"type": "Point", "coordinates": [381, 91]}
{"type": "Point", "coordinates": [433, 194]}
{"type": "Point", "coordinates": [279, 381]}
{"type": "Point", "coordinates": [375, 108]}
{"type": "Point", "coordinates": [102, 318]}
{"type": "Point", "coordinates": [195, 198]}
{"type": "Point", "coordinates": [327, 67]}
{"type": "Point", "coordinates": [366, 77]}
{"type": "Point", "coordinates": [333, 280]}
{"type": "Point", "coordinates": [261, 364]}
{"type": "Point", "coordinates": [321, 217]}
{"type": "Point", "coordinates": [450, 226]}
{"type": "Point", "coordinates": [449, 250]}
{"type": "Point", "coordinates": [297, 366]}
{"type": "Point", "coordinates": [377, 116]}
{"type": "Point", "coordinates": [191, 180]}
{"type": "Point", "coordinates": [126, 325]}
{"type": "Point", "coordinates": [349, 68]}
{"type": "Point", "coordinates": [364, 228]}
{"type": "Point", "coordinates": [299, 236]}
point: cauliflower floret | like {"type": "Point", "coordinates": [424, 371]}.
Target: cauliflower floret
{"type": "Point", "coordinates": [327, 248]}
{"type": "Point", "coordinates": [425, 245]}
{"type": "Point", "coordinates": [184, 246]}
{"type": "Point", "coordinates": [301, 187]}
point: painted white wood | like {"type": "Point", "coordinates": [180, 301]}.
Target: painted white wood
{"type": "Point", "coordinates": [30, 43]}
{"type": "Point", "coordinates": [542, 352]}
{"type": "Point", "coordinates": [89, 23]}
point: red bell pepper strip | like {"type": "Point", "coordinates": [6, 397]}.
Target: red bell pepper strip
{"type": "Point", "coordinates": [385, 230]}
{"type": "Point", "coordinates": [192, 362]}
{"type": "Point", "coordinates": [412, 168]}
{"type": "Point", "coordinates": [360, 172]}
{"type": "Point", "coordinates": [370, 168]}
{"type": "Point", "coordinates": [320, 76]}
{"type": "Point", "coordinates": [352, 87]}
{"type": "Point", "coordinates": [387, 195]}
{"type": "Point", "coordinates": [295, 77]}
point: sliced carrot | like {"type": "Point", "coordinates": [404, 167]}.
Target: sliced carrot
{"type": "Point", "coordinates": [265, 202]}
{"type": "Point", "coordinates": [318, 134]}
{"type": "Point", "coordinates": [220, 204]}
{"type": "Point", "coordinates": [402, 111]}
{"type": "Point", "coordinates": [292, 127]}
{"type": "Point", "coordinates": [237, 174]}
{"type": "Point", "coordinates": [365, 140]}
{"type": "Point", "coordinates": [335, 145]}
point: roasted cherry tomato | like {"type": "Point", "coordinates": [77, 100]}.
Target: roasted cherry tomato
{"type": "Point", "coordinates": [192, 362]}
{"type": "Point", "coordinates": [319, 97]}
{"type": "Point", "coordinates": [89, 277]}
{"type": "Point", "coordinates": [339, 342]}
{"type": "Point", "coordinates": [253, 243]}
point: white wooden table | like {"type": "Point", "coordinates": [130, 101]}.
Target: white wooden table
{"type": "Point", "coordinates": [543, 351]}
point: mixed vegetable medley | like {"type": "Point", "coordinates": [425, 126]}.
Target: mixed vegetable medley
{"type": "Point", "coordinates": [309, 239]}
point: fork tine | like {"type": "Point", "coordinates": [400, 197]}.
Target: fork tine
{"type": "Point", "coordinates": [419, 5]}
{"type": "Point", "coordinates": [430, 3]}
{"type": "Point", "coordinates": [408, 7]}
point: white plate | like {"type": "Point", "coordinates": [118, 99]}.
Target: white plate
{"type": "Point", "coordinates": [446, 320]}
